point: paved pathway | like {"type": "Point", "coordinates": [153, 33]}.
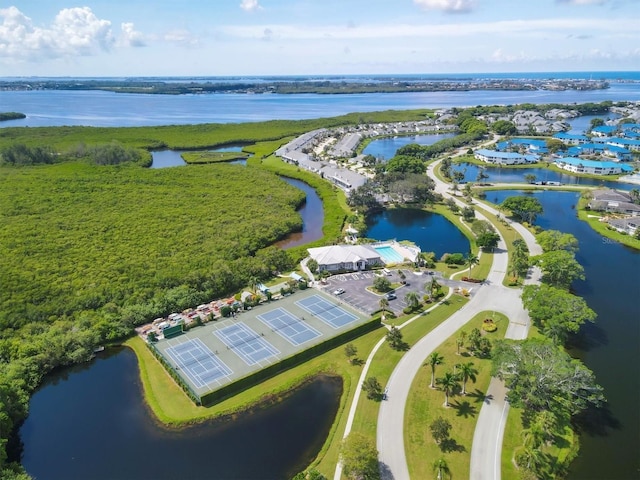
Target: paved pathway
{"type": "Point", "coordinates": [491, 296]}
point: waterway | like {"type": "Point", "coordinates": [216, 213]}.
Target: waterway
{"type": "Point", "coordinates": [108, 109]}
{"type": "Point", "coordinates": [430, 231]}
{"type": "Point", "coordinates": [517, 175]}
{"type": "Point", "coordinates": [90, 421]}
{"type": "Point", "coordinates": [385, 148]}
{"type": "Point", "coordinates": [611, 441]}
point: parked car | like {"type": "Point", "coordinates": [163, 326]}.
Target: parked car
{"type": "Point", "coordinates": [338, 291]}
{"type": "Point", "coordinates": [391, 296]}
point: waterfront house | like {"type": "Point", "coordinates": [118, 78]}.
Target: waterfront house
{"type": "Point", "coordinates": [593, 167]}
{"type": "Point", "coordinates": [528, 145]}
{"type": "Point", "coordinates": [504, 158]}
{"type": "Point", "coordinates": [628, 143]}
{"type": "Point", "coordinates": [571, 139]}
{"type": "Point", "coordinates": [604, 130]}
{"type": "Point", "coordinates": [628, 225]}
{"type": "Point", "coordinates": [613, 201]}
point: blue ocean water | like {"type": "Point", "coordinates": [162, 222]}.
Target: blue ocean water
{"type": "Point", "coordinates": [107, 109]}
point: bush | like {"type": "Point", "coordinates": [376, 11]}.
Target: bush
{"type": "Point", "coordinates": [488, 325]}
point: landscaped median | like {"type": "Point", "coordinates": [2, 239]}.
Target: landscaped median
{"type": "Point", "coordinates": [386, 359]}
{"type": "Point", "coordinates": [425, 404]}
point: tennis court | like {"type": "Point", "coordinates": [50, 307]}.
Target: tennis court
{"type": "Point", "coordinates": [288, 326]}
{"type": "Point", "coordinates": [198, 363]}
{"type": "Point", "coordinates": [249, 345]}
{"type": "Point", "coordinates": [328, 312]}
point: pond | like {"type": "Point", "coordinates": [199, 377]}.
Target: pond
{"type": "Point", "coordinates": [90, 421]}
{"type": "Point", "coordinates": [610, 346]}
{"type": "Point", "coordinates": [430, 231]}
{"type": "Point", "coordinates": [385, 148]}
{"type": "Point", "coordinates": [516, 175]}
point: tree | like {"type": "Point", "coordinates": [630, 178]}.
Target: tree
{"type": "Point", "coordinates": [448, 382]}
{"type": "Point", "coordinates": [462, 336]}
{"type": "Point", "coordinates": [471, 260]}
{"type": "Point", "coordinates": [405, 164]}
{"type": "Point", "coordinates": [635, 195]}
{"type": "Point", "coordinates": [384, 304]}
{"type": "Point", "coordinates": [382, 284]}
{"type": "Point", "coordinates": [555, 240]}
{"type": "Point", "coordinates": [372, 388]}
{"type": "Point", "coordinates": [554, 145]}
{"type": "Point", "coordinates": [556, 312]}
{"type": "Point", "coordinates": [524, 207]}
{"type": "Point", "coordinates": [433, 288]}
{"type": "Point", "coordinates": [359, 458]}
{"type": "Point", "coordinates": [311, 474]}
{"type": "Point", "coordinates": [559, 268]}
{"type": "Point", "coordinates": [440, 429]}
{"type": "Point", "coordinates": [433, 361]}
{"type": "Point", "coordinates": [350, 351]}
{"type": "Point", "coordinates": [530, 178]}
{"type": "Point", "coordinates": [468, 214]}
{"type": "Point", "coordinates": [519, 264]}
{"type": "Point", "coordinates": [478, 227]}
{"type": "Point", "coordinates": [466, 372]}
{"type": "Point", "coordinates": [312, 265]}
{"type": "Point", "coordinates": [394, 337]}
{"type": "Point", "coordinates": [542, 376]}
{"type": "Point", "coordinates": [596, 122]}
{"type": "Point", "coordinates": [412, 299]}
{"type": "Point", "coordinates": [441, 469]}
{"type": "Point", "coordinates": [504, 127]}
{"type": "Point", "coordinates": [488, 241]}
{"type": "Point", "coordinates": [481, 175]}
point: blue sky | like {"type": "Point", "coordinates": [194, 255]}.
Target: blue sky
{"type": "Point", "coordinates": [298, 37]}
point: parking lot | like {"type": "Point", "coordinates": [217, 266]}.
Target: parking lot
{"type": "Point", "coordinates": [356, 293]}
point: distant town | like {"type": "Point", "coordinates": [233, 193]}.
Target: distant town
{"type": "Point", "coordinates": [285, 86]}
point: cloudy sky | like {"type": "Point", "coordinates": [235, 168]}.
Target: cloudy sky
{"type": "Point", "coordinates": [290, 37]}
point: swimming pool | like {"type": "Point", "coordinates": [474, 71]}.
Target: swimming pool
{"type": "Point", "coordinates": [389, 254]}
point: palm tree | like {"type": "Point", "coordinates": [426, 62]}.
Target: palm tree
{"type": "Point", "coordinates": [460, 341]}
{"type": "Point", "coordinates": [253, 283]}
{"type": "Point", "coordinates": [412, 299]}
{"type": "Point", "coordinates": [433, 288]}
{"type": "Point", "coordinates": [471, 260]}
{"type": "Point", "coordinates": [434, 359]}
{"type": "Point", "coordinates": [467, 372]}
{"type": "Point", "coordinates": [441, 468]}
{"type": "Point", "coordinates": [448, 383]}
{"type": "Point", "coordinates": [384, 303]}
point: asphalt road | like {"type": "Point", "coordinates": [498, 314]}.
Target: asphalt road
{"type": "Point", "coordinates": [487, 444]}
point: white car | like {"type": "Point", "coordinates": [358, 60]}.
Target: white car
{"type": "Point", "coordinates": [339, 291]}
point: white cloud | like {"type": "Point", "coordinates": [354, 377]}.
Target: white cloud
{"type": "Point", "coordinates": [182, 37]}
{"type": "Point", "coordinates": [131, 37]}
{"type": "Point", "coordinates": [452, 6]}
{"type": "Point", "coordinates": [250, 5]}
{"type": "Point", "coordinates": [74, 31]}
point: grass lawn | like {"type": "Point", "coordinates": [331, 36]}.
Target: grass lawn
{"type": "Point", "coordinates": [593, 219]}
{"type": "Point", "coordinates": [386, 359]}
{"type": "Point", "coordinates": [424, 405]}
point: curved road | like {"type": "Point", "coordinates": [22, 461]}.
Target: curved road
{"type": "Point", "coordinates": [490, 427]}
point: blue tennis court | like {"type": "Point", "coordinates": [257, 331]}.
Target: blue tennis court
{"type": "Point", "coordinates": [198, 363]}
{"type": "Point", "coordinates": [288, 326]}
{"type": "Point", "coordinates": [328, 312]}
{"type": "Point", "coordinates": [249, 345]}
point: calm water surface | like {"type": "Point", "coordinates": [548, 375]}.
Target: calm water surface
{"type": "Point", "coordinates": [610, 347]}
{"type": "Point", "coordinates": [385, 148]}
{"type": "Point", "coordinates": [90, 422]}
{"type": "Point", "coordinates": [430, 231]}
{"type": "Point", "coordinates": [108, 109]}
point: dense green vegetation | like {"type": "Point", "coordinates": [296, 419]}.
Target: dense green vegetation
{"type": "Point", "coordinates": [184, 137]}
{"type": "Point", "coordinates": [212, 157]}
{"type": "Point", "coordinates": [88, 252]}
{"type": "Point", "coordinates": [11, 116]}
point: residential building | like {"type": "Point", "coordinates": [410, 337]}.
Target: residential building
{"type": "Point", "coordinates": [504, 158]}
{"type": "Point", "coordinates": [593, 167]}
{"type": "Point", "coordinates": [571, 139]}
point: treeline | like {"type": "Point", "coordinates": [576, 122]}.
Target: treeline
{"type": "Point", "coordinates": [430, 151]}
{"type": "Point", "coordinates": [11, 116]}
{"type": "Point", "coordinates": [114, 153]}
{"type": "Point", "coordinates": [588, 108]}
{"type": "Point", "coordinates": [87, 253]}
{"type": "Point", "coordinates": [185, 137]}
